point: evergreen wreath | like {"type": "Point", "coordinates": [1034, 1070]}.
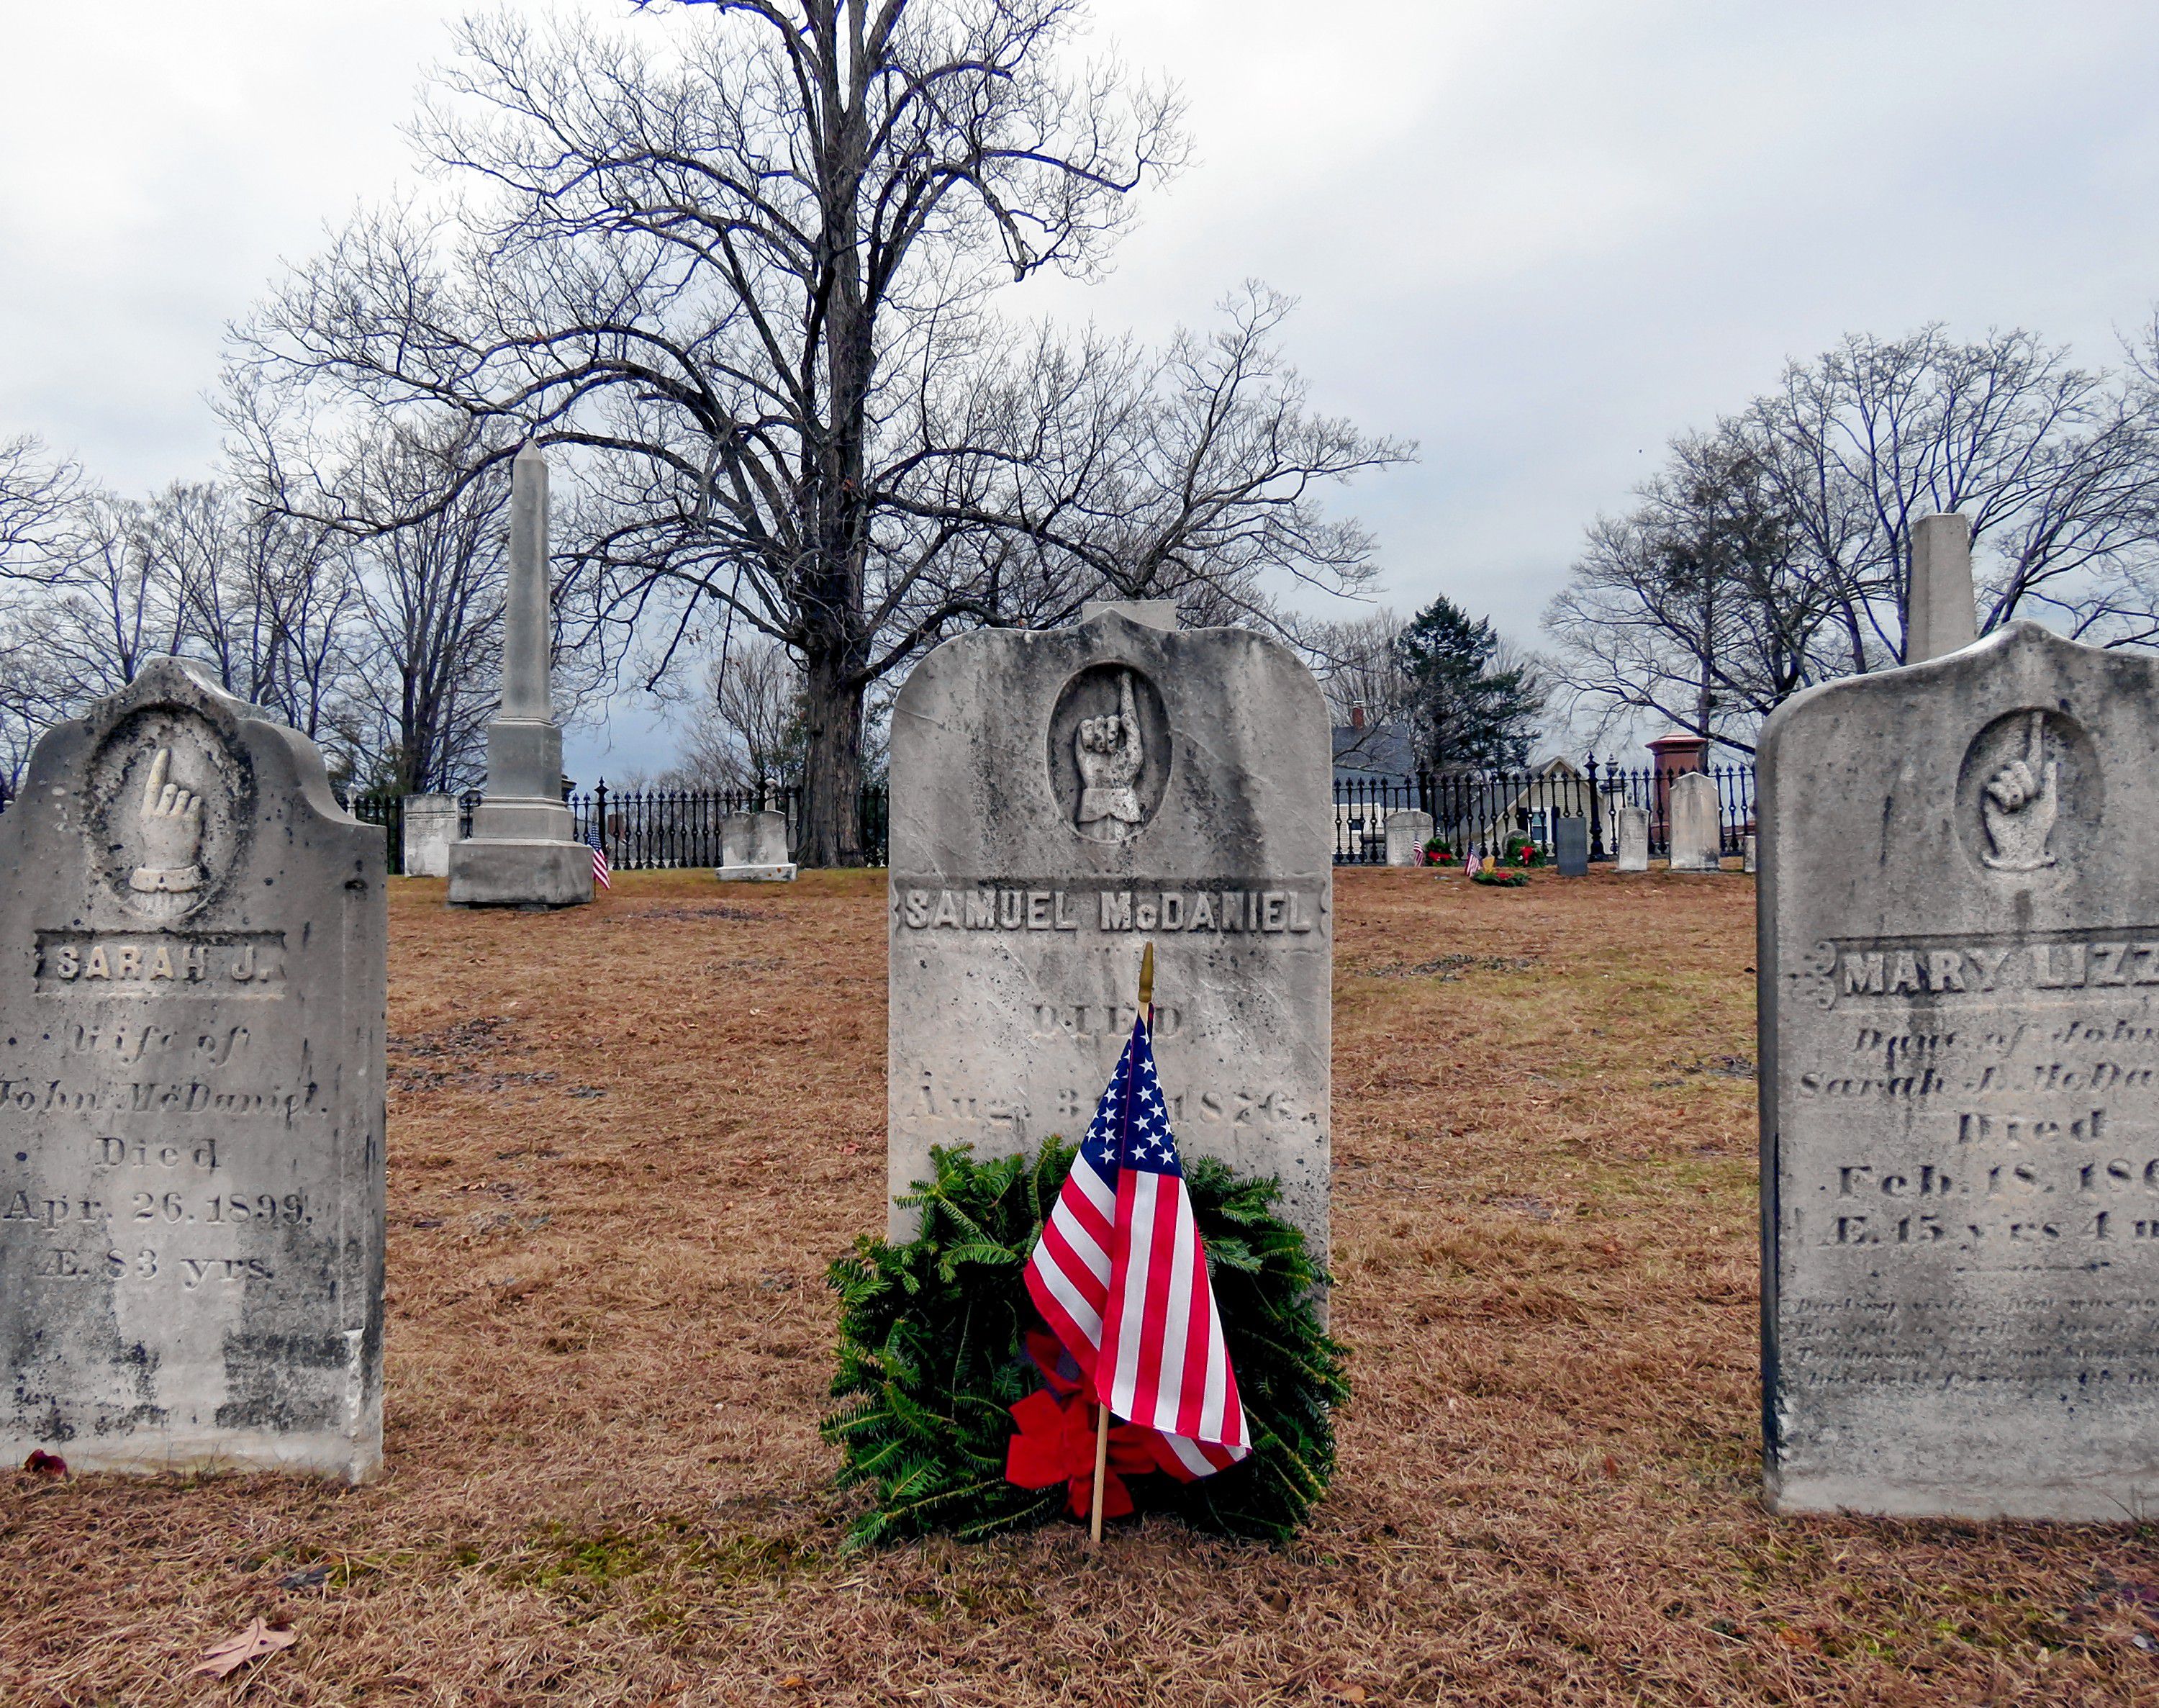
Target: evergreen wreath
{"type": "Point", "coordinates": [930, 1357]}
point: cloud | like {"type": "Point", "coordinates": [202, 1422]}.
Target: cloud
{"type": "Point", "coordinates": [1540, 237]}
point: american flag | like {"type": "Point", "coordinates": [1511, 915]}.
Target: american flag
{"type": "Point", "coordinates": [1119, 1275]}
{"type": "Point", "coordinates": [600, 867]}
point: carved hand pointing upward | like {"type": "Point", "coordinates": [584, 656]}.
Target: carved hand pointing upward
{"type": "Point", "coordinates": [1111, 756]}
{"type": "Point", "coordinates": [171, 833]}
{"type": "Point", "coordinates": [2019, 806]}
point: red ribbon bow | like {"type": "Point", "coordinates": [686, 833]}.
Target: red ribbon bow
{"type": "Point", "coordinates": [1055, 1441]}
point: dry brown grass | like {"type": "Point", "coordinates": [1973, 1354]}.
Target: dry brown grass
{"type": "Point", "coordinates": [624, 1143]}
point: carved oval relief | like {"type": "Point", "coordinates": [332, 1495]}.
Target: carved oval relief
{"type": "Point", "coordinates": [2030, 782]}
{"type": "Point", "coordinates": [1110, 752]}
{"type": "Point", "coordinates": [169, 805]}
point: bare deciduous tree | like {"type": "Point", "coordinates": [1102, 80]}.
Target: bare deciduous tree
{"type": "Point", "coordinates": [37, 492]}
{"type": "Point", "coordinates": [1775, 550]}
{"type": "Point", "coordinates": [745, 730]}
{"type": "Point", "coordinates": [745, 271]}
{"type": "Point", "coordinates": [727, 265]}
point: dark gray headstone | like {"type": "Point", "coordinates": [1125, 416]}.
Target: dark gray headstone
{"type": "Point", "coordinates": [1959, 958]}
{"type": "Point", "coordinates": [1570, 846]}
{"type": "Point", "coordinates": [192, 974]}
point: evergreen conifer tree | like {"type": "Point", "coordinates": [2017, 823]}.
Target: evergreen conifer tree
{"type": "Point", "coordinates": [1471, 707]}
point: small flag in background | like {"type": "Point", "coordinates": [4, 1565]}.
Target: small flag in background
{"type": "Point", "coordinates": [1119, 1275]}
{"type": "Point", "coordinates": [600, 867]}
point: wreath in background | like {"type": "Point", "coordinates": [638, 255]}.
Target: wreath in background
{"type": "Point", "coordinates": [935, 1354]}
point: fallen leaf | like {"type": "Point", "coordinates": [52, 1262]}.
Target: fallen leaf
{"type": "Point", "coordinates": [257, 1640]}
{"type": "Point", "coordinates": [792, 1681]}
{"type": "Point", "coordinates": [1611, 1467]}
{"type": "Point", "coordinates": [45, 1464]}
{"type": "Point", "coordinates": [1349, 1693]}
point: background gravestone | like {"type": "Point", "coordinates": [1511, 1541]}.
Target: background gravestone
{"type": "Point", "coordinates": [1697, 830]}
{"type": "Point", "coordinates": [1060, 799]}
{"type": "Point", "coordinates": [431, 826]}
{"type": "Point", "coordinates": [1570, 846]}
{"type": "Point", "coordinates": [1959, 954]}
{"type": "Point", "coordinates": [192, 981]}
{"type": "Point", "coordinates": [1407, 832]}
{"type": "Point", "coordinates": [1633, 837]}
{"type": "Point", "coordinates": [753, 848]}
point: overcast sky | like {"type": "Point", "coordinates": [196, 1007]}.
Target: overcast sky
{"type": "Point", "coordinates": [1539, 237]}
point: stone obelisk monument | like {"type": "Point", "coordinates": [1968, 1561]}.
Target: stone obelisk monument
{"type": "Point", "coordinates": [523, 851]}
{"type": "Point", "coordinates": [1944, 610]}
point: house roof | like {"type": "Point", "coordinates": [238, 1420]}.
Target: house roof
{"type": "Point", "coordinates": [1378, 750]}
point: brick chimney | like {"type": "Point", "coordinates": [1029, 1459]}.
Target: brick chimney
{"type": "Point", "coordinates": [1356, 718]}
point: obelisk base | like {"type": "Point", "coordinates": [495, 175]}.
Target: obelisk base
{"type": "Point", "coordinates": [519, 855]}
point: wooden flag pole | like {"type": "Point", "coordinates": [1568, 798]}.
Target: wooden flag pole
{"type": "Point", "coordinates": [1101, 1410]}
{"type": "Point", "coordinates": [1101, 1472]}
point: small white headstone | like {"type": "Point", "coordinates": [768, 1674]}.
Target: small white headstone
{"type": "Point", "coordinates": [1633, 839]}
{"type": "Point", "coordinates": [1407, 832]}
{"type": "Point", "coordinates": [431, 826]}
{"type": "Point", "coordinates": [753, 848]}
{"type": "Point", "coordinates": [1697, 831]}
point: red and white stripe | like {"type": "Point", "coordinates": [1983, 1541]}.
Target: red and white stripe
{"type": "Point", "coordinates": [1120, 1276]}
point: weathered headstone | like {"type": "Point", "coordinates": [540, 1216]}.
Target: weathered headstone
{"type": "Point", "coordinates": [1407, 832]}
{"type": "Point", "coordinates": [1062, 798]}
{"type": "Point", "coordinates": [1570, 846]}
{"type": "Point", "coordinates": [1942, 612]}
{"type": "Point", "coordinates": [1633, 839]}
{"type": "Point", "coordinates": [431, 826]}
{"type": "Point", "coordinates": [523, 852]}
{"type": "Point", "coordinates": [1750, 855]}
{"type": "Point", "coordinates": [1697, 830]}
{"type": "Point", "coordinates": [191, 1096]}
{"type": "Point", "coordinates": [1959, 954]}
{"type": "Point", "coordinates": [753, 848]}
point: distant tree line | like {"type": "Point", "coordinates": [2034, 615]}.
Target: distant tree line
{"type": "Point", "coordinates": [1773, 550]}
{"type": "Point", "coordinates": [381, 644]}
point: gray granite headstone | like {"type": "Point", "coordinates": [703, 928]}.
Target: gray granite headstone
{"type": "Point", "coordinates": [753, 848]}
{"type": "Point", "coordinates": [1959, 962]}
{"type": "Point", "coordinates": [192, 979]}
{"type": "Point", "coordinates": [1697, 830]}
{"type": "Point", "coordinates": [1059, 799]}
{"type": "Point", "coordinates": [431, 826]}
{"type": "Point", "coordinates": [1632, 838]}
{"type": "Point", "coordinates": [1407, 832]}
{"type": "Point", "coordinates": [1570, 846]}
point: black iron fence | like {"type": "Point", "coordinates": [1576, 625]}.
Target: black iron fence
{"type": "Point", "coordinates": [646, 830]}
{"type": "Point", "coordinates": [651, 829]}
{"type": "Point", "coordinates": [1482, 809]}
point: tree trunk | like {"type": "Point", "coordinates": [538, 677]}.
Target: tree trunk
{"type": "Point", "coordinates": [832, 831]}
